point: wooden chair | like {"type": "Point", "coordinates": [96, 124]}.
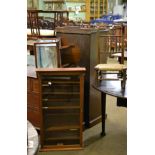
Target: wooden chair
{"type": "Point", "coordinates": [34, 31]}
{"type": "Point", "coordinates": [102, 71]}
{"type": "Point", "coordinates": [108, 45]}
{"type": "Point", "coordinates": [111, 43]}
{"type": "Point", "coordinates": [47, 54]}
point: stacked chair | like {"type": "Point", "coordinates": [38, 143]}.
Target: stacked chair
{"type": "Point", "coordinates": [35, 29]}
{"type": "Point", "coordinates": [112, 43]}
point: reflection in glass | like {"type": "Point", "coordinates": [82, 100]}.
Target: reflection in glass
{"type": "Point", "coordinates": [46, 56]}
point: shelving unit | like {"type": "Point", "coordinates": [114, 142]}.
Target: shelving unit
{"type": "Point", "coordinates": [79, 9]}
{"type": "Point", "coordinates": [91, 9]}
{"type": "Point", "coordinates": [54, 4]}
{"type": "Point", "coordinates": [62, 92]}
{"type": "Point", "coordinates": [32, 4]}
{"type": "Point", "coordinates": [96, 8]}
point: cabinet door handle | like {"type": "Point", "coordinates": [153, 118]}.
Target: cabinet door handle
{"type": "Point", "coordinates": [49, 83]}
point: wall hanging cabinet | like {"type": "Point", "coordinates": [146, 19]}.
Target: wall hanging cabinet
{"type": "Point", "coordinates": [61, 105]}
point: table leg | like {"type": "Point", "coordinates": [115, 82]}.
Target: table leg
{"type": "Point", "coordinates": [103, 110]}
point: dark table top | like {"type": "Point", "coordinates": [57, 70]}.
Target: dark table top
{"type": "Point", "coordinates": [111, 87]}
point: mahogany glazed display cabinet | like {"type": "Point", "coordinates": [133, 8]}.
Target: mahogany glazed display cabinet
{"type": "Point", "coordinates": [61, 105]}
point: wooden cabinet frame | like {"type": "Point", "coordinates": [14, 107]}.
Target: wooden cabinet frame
{"type": "Point", "coordinates": [61, 105]}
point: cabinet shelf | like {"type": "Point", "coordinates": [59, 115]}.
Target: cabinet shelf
{"type": "Point", "coordinates": [59, 100]}
{"type": "Point", "coordinates": [59, 82]}
{"type": "Point", "coordinates": [75, 10]}
{"type": "Point", "coordinates": [60, 93]}
{"type": "Point", "coordinates": [63, 138]}
{"type": "Point", "coordinates": [62, 115]}
{"type": "Point", "coordinates": [61, 128]}
{"type": "Point", "coordinates": [61, 107]}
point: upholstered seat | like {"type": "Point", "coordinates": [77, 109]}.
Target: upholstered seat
{"type": "Point", "coordinates": [103, 69]}
{"type": "Point", "coordinates": [110, 67]}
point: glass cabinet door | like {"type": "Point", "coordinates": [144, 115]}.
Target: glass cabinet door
{"type": "Point", "coordinates": [32, 4]}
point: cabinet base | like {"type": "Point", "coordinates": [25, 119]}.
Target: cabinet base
{"type": "Point", "coordinates": [55, 148]}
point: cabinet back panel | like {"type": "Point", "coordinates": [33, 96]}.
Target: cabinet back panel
{"type": "Point", "coordinates": [60, 96]}
{"type": "Point", "coordinates": [60, 87]}
{"type": "Point", "coordinates": [61, 119]}
{"type": "Point", "coordinates": [68, 103]}
{"type": "Point", "coordinates": [64, 134]}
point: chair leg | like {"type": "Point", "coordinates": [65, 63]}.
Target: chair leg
{"type": "Point", "coordinates": [123, 82]}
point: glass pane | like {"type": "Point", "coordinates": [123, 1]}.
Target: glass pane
{"type": "Point", "coordinates": [46, 56]}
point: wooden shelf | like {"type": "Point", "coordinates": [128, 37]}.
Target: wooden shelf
{"type": "Point", "coordinates": [62, 115]}
{"type": "Point", "coordinates": [63, 138]}
{"type": "Point", "coordinates": [67, 82]}
{"type": "Point", "coordinates": [60, 128]}
{"type": "Point", "coordinates": [61, 107]}
{"type": "Point", "coordinates": [59, 100]}
{"type": "Point", "coordinates": [75, 11]}
{"type": "Point", "coordinates": [60, 93]}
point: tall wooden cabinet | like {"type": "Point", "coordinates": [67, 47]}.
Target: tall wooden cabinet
{"type": "Point", "coordinates": [61, 105]}
{"type": "Point", "coordinates": [86, 40]}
